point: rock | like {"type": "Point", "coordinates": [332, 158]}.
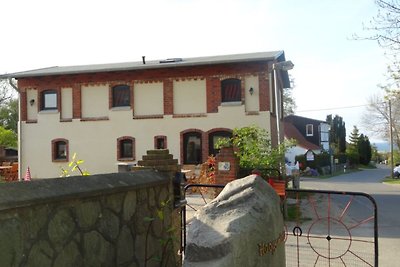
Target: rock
{"type": "Point", "coordinates": [243, 226]}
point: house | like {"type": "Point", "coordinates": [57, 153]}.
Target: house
{"type": "Point", "coordinates": [311, 136]}
{"type": "Point", "coordinates": [111, 114]}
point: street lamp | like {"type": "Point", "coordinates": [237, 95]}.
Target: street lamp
{"type": "Point", "coordinates": [285, 66]}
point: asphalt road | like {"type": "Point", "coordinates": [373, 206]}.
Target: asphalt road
{"type": "Point", "coordinates": [387, 198]}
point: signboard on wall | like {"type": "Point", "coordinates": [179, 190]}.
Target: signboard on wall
{"type": "Point", "coordinates": [310, 155]}
{"type": "Point", "coordinates": [224, 166]}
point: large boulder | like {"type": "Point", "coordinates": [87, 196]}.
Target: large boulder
{"type": "Point", "coordinates": [243, 227]}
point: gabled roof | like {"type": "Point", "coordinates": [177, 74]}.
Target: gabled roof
{"type": "Point", "coordinates": [167, 63]}
{"type": "Point", "coordinates": [291, 118]}
{"type": "Point", "coordinates": [291, 132]}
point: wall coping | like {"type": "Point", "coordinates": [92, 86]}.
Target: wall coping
{"type": "Point", "coordinates": [25, 194]}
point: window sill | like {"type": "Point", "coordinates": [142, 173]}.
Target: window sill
{"type": "Point", "coordinates": [235, 103]}
{"type": "Point", "coordinates": [60, 160]}
{"type": "Point", "coordinates": [48, 111]}
{"type": "Point", "coordinates": [141, 117]}
{"type": "Point", "coordinates": [122, 108]}
{"type": "Point", "coordinates": [126, 159]}
{"type": "Point", "coordinates": [65, 120]}
{"type": "Point", "coordinates": [194, 115]}
{"type": "Point", "coordinates": [95, 119]}
{"type": "Point", "coordinates": [250, 113]}
{"type": "Point", "coordinates": [31, 121]}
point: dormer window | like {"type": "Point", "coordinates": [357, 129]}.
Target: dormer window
{"type": "Point", "coordinates": [309, 130]}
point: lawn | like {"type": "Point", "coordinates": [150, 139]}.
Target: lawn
{"type": "Point", "coordinates": [389, 180]}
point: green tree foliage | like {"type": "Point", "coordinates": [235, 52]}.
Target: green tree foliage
{"type": "Point", "coordinates": [364, 149]}
{"type": "Point", "coordinates": [8, 138]}
{"type": "Point", "coordinates": [359, 150]}
{"type": "Point", "coordinates": [352, 150]}
{"type": "Point", "coordinates": [254, 149]}
{"type": "Point", "coordinates": [9, 115]}
{"type": "Point", "coordinates": [337, 135]}
{"type": "Point", "coordinates": [289, 103]}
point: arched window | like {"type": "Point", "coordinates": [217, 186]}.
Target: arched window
{"type": "Point", "coordinates": [231, 90]}
{"type": "Point", "coordinates": [121, 96]}
{"type": "Point", "coordinates": [192, 148]}
{"type": "Point", "coordinates": [49, 100]}
{"type": "Point", "coordinates": [213, 139]}
{"type": "Point", "coordinates": [126, 148]}
{"type": "Point", "coordinates": [59, 149]}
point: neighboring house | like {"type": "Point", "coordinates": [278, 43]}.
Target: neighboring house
{"type": "Point", "coordinates": [113, 113]}
{"type": "Point", "coordinates": [310, 135]}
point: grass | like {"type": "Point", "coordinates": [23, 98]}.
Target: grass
{"type": "Point", "coordinates": [389, 180]}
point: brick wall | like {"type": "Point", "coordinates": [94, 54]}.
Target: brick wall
{"type": "Point", "coordinates": [212, 73]}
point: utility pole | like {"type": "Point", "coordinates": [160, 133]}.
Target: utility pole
{"type": "Point", "coordinates": [391, 140]}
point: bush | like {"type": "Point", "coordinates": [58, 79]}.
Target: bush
{"type": "Point", "coordinates": [320, 160]}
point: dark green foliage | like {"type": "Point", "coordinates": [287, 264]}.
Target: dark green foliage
{"type": "Point", "coordinates": [337, 134]}
{"type": "Point", "coordinates": [320, 160]}
{"type": "Point", "coordinates": [364, 150]}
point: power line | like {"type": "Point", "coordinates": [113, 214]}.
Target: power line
{"type": "Point", "coordinates": [322, 109]}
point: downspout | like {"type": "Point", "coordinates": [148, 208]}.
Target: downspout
{"type": "Point", "coordinates": [19, 128]}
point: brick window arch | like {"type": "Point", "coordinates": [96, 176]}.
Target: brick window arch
{"type": "Point", "coordinates": [60, 150]}
{"type": "Point", "coordinates": [231, 90]}
{"type": "Point", "coordinates": [126, 148]}
{"type": "Point", "coordinates": [214, 135]}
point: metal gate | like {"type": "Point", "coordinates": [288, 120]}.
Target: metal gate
{"type": "Point", "coordinates": [323, 228]}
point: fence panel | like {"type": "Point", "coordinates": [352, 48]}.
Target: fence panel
{"type": "Point", "coordinates": [323, 228]}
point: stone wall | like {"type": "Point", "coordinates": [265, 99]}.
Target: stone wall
{"type": "Point", "coordinates": [99, 220]}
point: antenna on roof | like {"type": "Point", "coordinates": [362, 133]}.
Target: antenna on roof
{"type": "Point", "coordinates": [144, 59]}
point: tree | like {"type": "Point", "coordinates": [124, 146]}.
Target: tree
{"type": "Point", "coordinates": [254, 149]}
{"type": "Point", "coordinates": [385, 25]}
{"type": "Point", "coordinates": [352, 150]}
{"type": "Point", "coordinates": [364, 149]}
{"type": "Point", "coordinates": [9, 115]}
{"type": "Point", "coordinates": [6, 91]}
{"type": "Point", "coordinates": [289, 103]}
{"type": "Point", "coordinates": [8, 138]}
{"type": "Point", "coordinates": [377, 116]}
{"type": "Point", "coordinates": [337, 134]}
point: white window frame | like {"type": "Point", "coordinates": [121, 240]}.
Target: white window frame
{"type": "Point", "coordinates": [309, 130]}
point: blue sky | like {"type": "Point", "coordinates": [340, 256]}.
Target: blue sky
{"type": "Point", "coordinates": [331, 70]}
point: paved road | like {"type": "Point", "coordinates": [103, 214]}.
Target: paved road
{"type": "Point", "coordinates": [387, 198]}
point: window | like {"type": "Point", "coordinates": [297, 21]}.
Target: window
{"type": "Point", "coordinates": [231, 90]}
{"type": "Point", "coordinates": [192, 148]}
{"type": "Point", "coordinates": [125, 148]}
{"type": "Point", "coordinates": [49, 100]}
{"type": "Point", "coordinates": [60, 150]}
{"type": "Point", "coordinates": [121, 96]}
{"type": "Point", "coordinates": [213, 139]}
{"type": "Point", "coordinates": [160, 142]}
{"type": "Point", "coordinates": [309, 130]}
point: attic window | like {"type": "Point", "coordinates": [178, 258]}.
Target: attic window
{"type": "Point", "coordinates": [171, 60]}
{"type": "Point", "coordinates": [309, 130]}
{"type": "Point", "coordinates": [49, 100]}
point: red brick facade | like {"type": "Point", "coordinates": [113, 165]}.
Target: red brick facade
{"type": "Point", "coordinates": [212, 73]}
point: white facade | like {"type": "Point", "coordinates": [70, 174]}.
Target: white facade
{"type": "Point", "coordinates": [95, 141]}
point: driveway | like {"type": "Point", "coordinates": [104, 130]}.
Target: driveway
{"type": "Point", "coordinates": [386, 196]}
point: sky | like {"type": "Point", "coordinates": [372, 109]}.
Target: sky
{"type": "Point", "coordinates": [333, 73]}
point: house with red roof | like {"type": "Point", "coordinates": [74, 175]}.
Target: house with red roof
{"type": "Point", "coordinates": [311, 136]}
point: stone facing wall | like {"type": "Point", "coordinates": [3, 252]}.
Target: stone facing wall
{"type": "Point", "coordinates": [85, 221]}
